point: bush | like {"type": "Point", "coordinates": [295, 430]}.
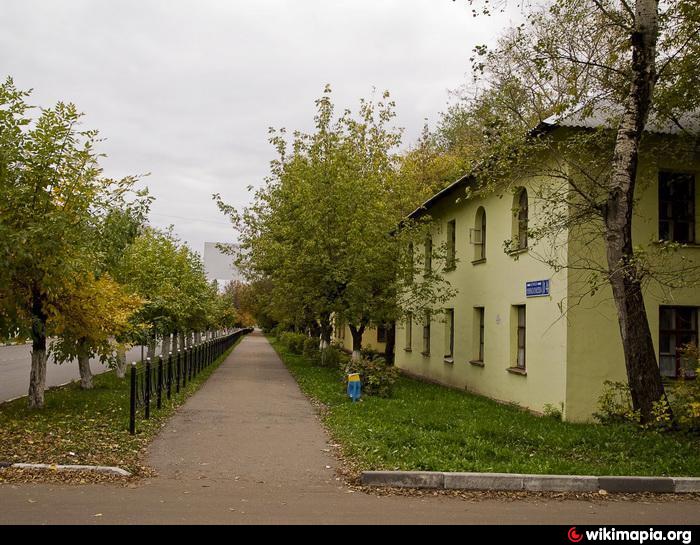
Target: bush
{"type": "Point", "coordinates": [293, 341]}
{"type": "Point", "coordinates": [615, 404]}
{"type": "Point", "coordinates": [377, 377]}
{"type": "Point", "coordinates": [311, 348]}
{"type": "Point", "coordinates": [370, 354]}
{"type": "Point", "coordinates": [684, 394]}
{"type": "Point", "coordinates": [552, 411]}
{"type": "Point", "coordinates": [329, 357]}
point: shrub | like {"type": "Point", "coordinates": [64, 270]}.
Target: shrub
{"type": "Point", "coordinates": [615, 404]}
{"type": "Point", "coordinates": [329, 357]}
{"type": "Point", "coordinates": [684, 394]}
{"type": "Point", "coordinates": [370, 354]}
{"type": "Point", "coordinates": [551, 411]}
{"type": "Point", "coordinates": [377, 377]}
{"type": "Point", "coordinates": [311, 348]}
{"type": "Point", "coordinates": [293, 341]}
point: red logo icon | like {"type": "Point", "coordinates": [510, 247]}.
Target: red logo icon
{"type": "Point", "coordinates": [574, 536]}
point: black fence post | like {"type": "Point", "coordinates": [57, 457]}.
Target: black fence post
{"type": "Point", "coordinates": [132, 400]}
{"type": "Point", "coordinates": [160, 382]}
{"type": "Point", "coordinates": [178, 373]}
{"type": "Point", "coordinates": [147, 395]}
{"type": "Point", "coordinates": [170, 375]}
{"type": "Point", "coordinates": [184, 368]}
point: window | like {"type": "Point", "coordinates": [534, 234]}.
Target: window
{"type": "Point", "coordinates": [479, 235]}
{"type": "Point", "coordinates": [409, 332]}
{"type": "Point", "coordinates": [676, 207]}
{"type": "Point", "coordinates": [381, 334]}
{"type": "Point", "coordinates": [678, 326]}
{"type": "Point", "coordinates": [479, 333]}
{"type": "Point", "coordinates": [428, 254]}
{"type": "Point", "coordinates": [521, 217]}
{"type": "Point", "coordinates": [426, 334]}
{"type": "Point", "coordinates": [449, 334]}
{"type": "Point", "coordinates": [451, 244]}
{"type": "Point", "coordinates": [520, 355]}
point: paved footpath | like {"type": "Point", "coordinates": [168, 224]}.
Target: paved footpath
{"type": "Point", "coordinates": [248, 448]}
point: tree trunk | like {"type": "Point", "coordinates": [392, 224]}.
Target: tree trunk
{"type": "Point", "coordinates": [84, 367]}
{"type": "Point", "coordinates": [390, 343]}
{"type": "Point", "coordinates": [326, 331]}
{"type": "Point", "coordinates": [643, 372]}
{"type": "Point", "coordinates": [37, 375]}
{"type": "Point", "coordinates": [174, 346]}
{"type": "Point", "coordinates": [165, 348]}
{"type": "Point", "coordinates": [121, 360]}
{"type": "Point", "coordinates": [356, 333]}
{"type": "Point", "coordinates": [197, 337]}
{"type": "Point", "coordinates": [151, 353]}
{"type": "Point", "coordinates": [182, 341]}
{"type": "Point", "coordinates": [315, 330]}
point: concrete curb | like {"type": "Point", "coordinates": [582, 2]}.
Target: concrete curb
{"type": "Point", "coordinates": [109, 470]}
{"type": "Point", "coordinates": [530, 483]}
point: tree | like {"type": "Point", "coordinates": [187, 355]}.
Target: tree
{"type": "Point", "coordinates": [92, 311]}
{"type": "Point", "coordinates": [323, 230]}
{"type": "Point", "coordinates": [169, 277]}
{"type": "Point", "coordinates": [51, 192]}
{"type": "Point", "coordinates": [627, 64]}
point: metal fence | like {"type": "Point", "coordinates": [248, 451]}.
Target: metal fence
{"type": "Point", "coordinates": [154, 380]}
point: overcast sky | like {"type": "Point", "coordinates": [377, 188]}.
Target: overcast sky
{"type": "Point", "coordinates": [185, 90]}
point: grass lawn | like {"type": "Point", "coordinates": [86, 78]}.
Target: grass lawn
{"type": "Point", "coordinates": [86, 426]}
{"type": "Point", "coordinates": [430, 427]}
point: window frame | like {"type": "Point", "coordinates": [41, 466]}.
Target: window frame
{"type": "Point", "coordinates": [674, 332]}
{"type": "Point", "coordinates": [521, 326]}
{"type": "Point", "coordinates": [480, 245]}
{"type": "Point", "coordinates": [426, 334]}
{"type": "Point", "coordinates": [667, 206]}
{"type": "Point", "coordinates": [523, 219]}
{"type": "Point", "coordinates": [451, 261]}
{"type": "Point", "coordinates": [449, 335]}
{"type": "Point", "coordinates": [408, 346]}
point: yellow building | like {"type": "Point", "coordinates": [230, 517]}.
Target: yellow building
{"type": "Point", "coordinates": [373, 338]}
{"type": "Point", "coordinates": [520, 332]}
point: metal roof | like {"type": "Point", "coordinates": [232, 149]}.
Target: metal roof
{"type": "Point", "coordinates": [600, 116]}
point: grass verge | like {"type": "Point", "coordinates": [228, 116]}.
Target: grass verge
{"type": "Point", "coordinates": [88, 427]}
{"type": "Point", "coordinates": [433, 428]}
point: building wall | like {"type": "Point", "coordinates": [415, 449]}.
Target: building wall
{"type": "Point", "coordinates": [496, 284]}
{"type": "Point", "coordinates": [573, 341]}
{"type": "Point", "coordinates": [594, 351]}
{"type": "Point", "coordinates": [369, 339]}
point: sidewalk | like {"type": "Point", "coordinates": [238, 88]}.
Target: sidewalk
{"type": "Point", "coordinates": [248, 448]}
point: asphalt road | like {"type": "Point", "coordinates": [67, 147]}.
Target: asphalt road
{"type": "Point", "coordinates": [249, 448]}
{"type": "Point", "coordinates": [15, 364]}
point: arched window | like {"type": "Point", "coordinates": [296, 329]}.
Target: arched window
{"type": "Point", "coordinates": [479, 235]}
{"type": "Point", "coordinates": [520, 216]}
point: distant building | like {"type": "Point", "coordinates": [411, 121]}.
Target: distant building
{"type": "Point", "coordinates": [219, 265]}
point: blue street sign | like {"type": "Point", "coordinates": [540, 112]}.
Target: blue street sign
{"type": "Point", "coordinates": [538, 288]}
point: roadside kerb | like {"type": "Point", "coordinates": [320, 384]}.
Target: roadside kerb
{"type": "Point", "coordinates": [530, 483]}
{"type": "Point", "coordinates": [108, 470]}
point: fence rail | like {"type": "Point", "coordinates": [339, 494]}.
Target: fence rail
{"type": "Point", "coordinates": [156, 379]}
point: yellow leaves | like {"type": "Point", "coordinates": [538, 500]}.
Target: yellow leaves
{"type": "Point", "coordinates": [94, 309]}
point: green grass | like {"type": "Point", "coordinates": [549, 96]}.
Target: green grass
{"type": "Point", "coordinates": [433, 428]}
{"type": "Point", "coordinates": [87, 426]}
